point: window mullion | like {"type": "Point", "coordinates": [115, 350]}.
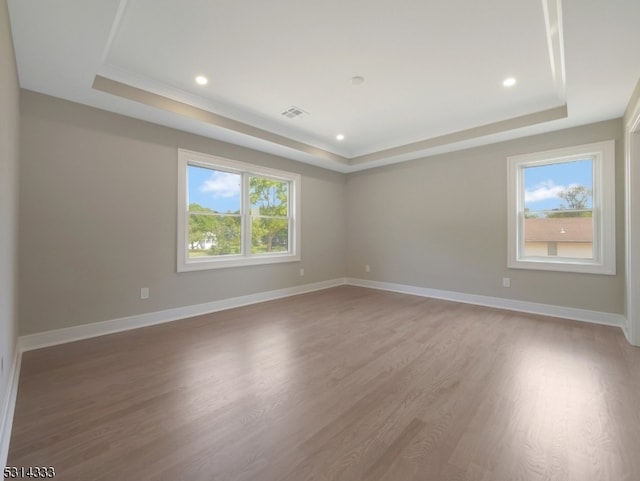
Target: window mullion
{"type": "Point", "coordinates": [246, 216]}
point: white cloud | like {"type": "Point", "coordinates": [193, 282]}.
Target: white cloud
{"type": "Point", "coordinates": [543, 191]}
{"type": "Point", "coordinates": [222, 184]}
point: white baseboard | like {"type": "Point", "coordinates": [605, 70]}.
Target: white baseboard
{"type": "Point", "coordinates": [85, 331]}
{"type": "Point", "coordinates": [595, 317]}
{"type": "Point", "coordinates": [8, 408]}
{"type": "Point", "coordinates": [627, 334]}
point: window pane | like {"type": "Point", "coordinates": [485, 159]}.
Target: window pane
{"type": "Point", "coordinates": [570, 237]}
{"type": "Point", "coordinates": [558, 210]}
{"type": "Point", "coordinates": [212, 190]}
{"type": "Point", "coordinates": [269, 235]}
{"type": "Point", "coordinates": [268, 197]}
{"type": "Point", "coordinates": [214, 235]}
{"type": "Point", "coordinates": [564, 186]}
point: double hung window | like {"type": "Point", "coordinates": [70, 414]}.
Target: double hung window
{"type": "Point", "coordinates": [561, 209]}
{"type": "Point", "coordinates": [233, 214]}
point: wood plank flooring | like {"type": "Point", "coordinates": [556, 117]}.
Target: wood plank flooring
{"type": "Point", "coordinates": [341, 384]}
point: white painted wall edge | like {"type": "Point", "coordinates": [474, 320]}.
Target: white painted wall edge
{"type": "Point", "coordinates": [86, 331]}
{"type": "Point", "coordinates": [595, 317]}
{"type": "Point", "coordinates": [8, 408]}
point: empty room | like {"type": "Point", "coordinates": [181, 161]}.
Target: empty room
{"type": "Point", "coordinates": [295, 240]}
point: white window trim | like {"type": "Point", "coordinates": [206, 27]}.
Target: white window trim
{"type": "Point", "coordinates": [184, 263]}
{"type": "Point", "coordinates": [604, 212]}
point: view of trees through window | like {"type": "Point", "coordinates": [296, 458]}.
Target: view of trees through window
{"type": "Point", "coordinates": [269, 215]}
{"type": "Point", "coordinates": [216, 201]}
{"type": "Point", "coordinates": [558, 209]}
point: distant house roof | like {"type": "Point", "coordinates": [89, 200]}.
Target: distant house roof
{"type": "Point", "coordinates": [559, 229]}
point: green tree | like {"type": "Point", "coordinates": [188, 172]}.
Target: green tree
{"type": "Point", "coordinates": [221, 232]}
{"type": "Point", "coordinates": [227, 235]}
{"type": "Point", "coordinates": [201, 228]}
{"type": "Point", "coordinates": [206, 226]}
{"type": "Point", "coordinates": [577, 199]}
{"type": "Point", "coordinates": [269, 200]}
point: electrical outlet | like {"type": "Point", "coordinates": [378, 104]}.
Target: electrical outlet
{"type": "Point", "coordinates": [367, 268]}
{"type": "Point", "coordinates": [506, 282]}
{"type": "Point", "coordinates": [301, 271]}
{"type": "Point", "coordinates": [144, 293]}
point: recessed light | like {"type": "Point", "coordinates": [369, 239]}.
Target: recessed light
{"type": "Point", "coordinates": [357, 80]}
{"type": "Point", "coordinates": [340, 137]}
{"type": "Point", "coordinates": [202, 80]}
{"type": "Point", "coordinates": [509, 82]}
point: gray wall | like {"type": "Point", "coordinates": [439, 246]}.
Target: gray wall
{"type": "Point", "coordinates": [98, 219]}
{"type": "Point", "coordinates": [441, 223]}
{"type": "Point", "coordinates": [9, 123]}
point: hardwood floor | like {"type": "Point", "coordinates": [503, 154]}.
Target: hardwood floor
{"type": "Point", "coordinates": [342, 384]}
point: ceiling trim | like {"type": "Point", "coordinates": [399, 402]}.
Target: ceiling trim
{"type": "Point", "coordinates": [154, 100]}
{"type": "Point", "coordinates": [527, 120]}
{"type": "Point", "coordinates": [115, 27]}
{"type": "Point", "coordinates": [151, 99]}
{"type": "Point", "coordinates": [555, 41]}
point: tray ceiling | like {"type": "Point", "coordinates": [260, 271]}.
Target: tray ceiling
{"type": "Point", "coordinates": [398, 81]}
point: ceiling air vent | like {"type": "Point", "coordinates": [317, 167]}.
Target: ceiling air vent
{"type": "Point", "coordinates": [294, 112]}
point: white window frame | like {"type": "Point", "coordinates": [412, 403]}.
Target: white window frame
{"type": "Point", "coordinates": [246, 258]}
{"type": "Point", "coordinates": [604, 243]}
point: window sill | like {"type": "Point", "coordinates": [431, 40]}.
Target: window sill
{"type": "Point", "coordinates": [235, 261]}
{"type": "Point", "coordinates": [564, 265]}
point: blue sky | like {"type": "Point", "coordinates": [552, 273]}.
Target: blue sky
{"type": "Point", "coordinates": [219, 191]}
{"type": "Point", "coordinates": [542, 184]}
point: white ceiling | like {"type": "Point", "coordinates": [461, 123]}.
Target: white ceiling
{"type": "Point", "coordinates": [433, 70]}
